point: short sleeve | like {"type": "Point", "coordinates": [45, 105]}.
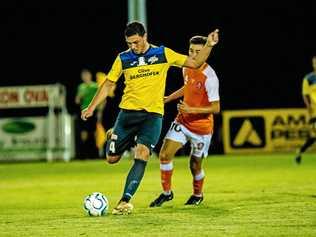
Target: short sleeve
{"type": "Point", "coordinates": [212, 85]}
{"type": "Point", "coordinates": [116, 70]}
{"type": "Point", "coordinates": [174, 58]}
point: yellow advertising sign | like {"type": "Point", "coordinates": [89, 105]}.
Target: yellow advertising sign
{"type": "Point", "coordinates": [266, 130]}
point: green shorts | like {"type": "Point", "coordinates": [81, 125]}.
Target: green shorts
{"type": "Point", "coordinates": [134, 127]}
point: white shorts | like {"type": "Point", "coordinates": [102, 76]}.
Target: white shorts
{"type": "Point", "coordinates": [199, 143]}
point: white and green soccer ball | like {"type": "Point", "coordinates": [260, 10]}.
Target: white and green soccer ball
{"type": "Point", "coordinates": [96, 204]}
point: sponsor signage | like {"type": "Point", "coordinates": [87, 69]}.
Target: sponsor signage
{"type": "Point", "coordinates": [29, 96]}
{"type": "Point", "coordinates": [26, 138]}
{"type": "Point", "coordinates": [267, 130]}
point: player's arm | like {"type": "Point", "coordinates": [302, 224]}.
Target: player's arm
{"type": "Point", "coordinates": [305, 92]}
{"type": "Point", "coordinates": [78, 96]}
{"type": "Point", "coordinates": [99, 97]}
{"type": "Point", "coordinates": [100, 110]}
{"type": "Point", "coordinates": [213, 108]}
{"type": "Point", "coordinates": [77, 99]}
{"type": "Point", "coordinates": [106, 89]}
{"type": "Point", "coordinates": [212, 40]}
{"type": "Point", "coordinates": [175, 95]}
{"type": "Point", "coordinates": [307, 102]}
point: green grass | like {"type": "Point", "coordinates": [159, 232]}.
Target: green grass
{"type": "Point", "coordinates": [267, 195]}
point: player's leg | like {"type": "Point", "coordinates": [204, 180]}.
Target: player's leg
{"type": "Point", "coordinates": [167, 152]}
{"type": "Point", "coordinates": [120, 138]}
{"type": "Point", "coordinates": [82, 139]}
{"type": "Point", "coordinates": [84, 149]}
{"type": "Point", "coordinates": [198, 180]}
{"type": "Point", "coordinates": [91, 143]}
{"type": "Point", "coordinates": [84, 135]}
{"type": "Point", "coordinates": [147, 138]}
{"type": "Point", "coordinates": [173, 141]}
{"type": "Point", "coordinates": [309, 142]}
{"type": "Point", "coordinates": [199, 149]}
{"type": "Point", "coordinates": [133, 180]}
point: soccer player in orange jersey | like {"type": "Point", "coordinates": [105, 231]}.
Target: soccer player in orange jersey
{"type": "Point", "coordinates": [194, 124]}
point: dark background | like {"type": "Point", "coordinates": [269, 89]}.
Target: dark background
{"type": "Point", "coordinates": [265, 47]}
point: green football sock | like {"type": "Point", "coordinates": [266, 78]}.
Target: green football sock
{"type": "Point", "coordinates": [133, 179]}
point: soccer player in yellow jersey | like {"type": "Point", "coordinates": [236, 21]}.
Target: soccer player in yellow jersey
{"type": "Point", "coordinates": [309, 97]}
{"type": "Point", "coordinates": [139, 121]}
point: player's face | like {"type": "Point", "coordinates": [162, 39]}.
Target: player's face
{"type": "Point", "coordinates": [86, 77]}
{"type": "Point", "coordinates": [137, 43]}
{"type": "Point", "coordinates": [194, 50]}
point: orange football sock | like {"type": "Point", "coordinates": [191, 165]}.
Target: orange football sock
{"type": "Point", "coordinates": [198, 181]}
{"type": "Point", "coordinates": [166, 170]}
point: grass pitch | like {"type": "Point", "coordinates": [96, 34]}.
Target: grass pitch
{"type": "Point", "coordinates": [267, 195]}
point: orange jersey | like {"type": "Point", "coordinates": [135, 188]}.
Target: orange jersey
{"type": "Point", "coordinates": [200, 89]}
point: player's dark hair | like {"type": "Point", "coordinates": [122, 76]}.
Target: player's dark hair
{"type": "Point", "coordinates": [198, 39]}
{"type": "Point", "coordinates": [135, 28]}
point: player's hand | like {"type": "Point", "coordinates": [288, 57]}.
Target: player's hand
{"type": "Point", "coordinates": [183, 107]}
{"type": "Point", "coordinates": [86, 113]}
{"type": "Point", "coordinates": [213, 38]}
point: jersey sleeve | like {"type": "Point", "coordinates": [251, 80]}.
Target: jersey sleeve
{"type": "Point", "coordinates": [212, 86]}
{"type": "Point", "coordinates": [116, 70]}
{"type": "Point", "coordinates": [174, 58]}
{"type": "Point", "coordinates": [305, 87]}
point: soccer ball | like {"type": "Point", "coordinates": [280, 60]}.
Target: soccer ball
{"type": "Point", "coordinates": [96, 204]}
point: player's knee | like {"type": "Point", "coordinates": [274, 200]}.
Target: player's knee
{"type": "Point", "coordinates": [164, 156]}
{"type": "Point", "coordinates": [142, 152]}
{"type": "Point", "coordinates": [112, 159]}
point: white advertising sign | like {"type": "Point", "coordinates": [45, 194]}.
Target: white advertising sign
{"type": "Point", "coordinates": [29, 96]}
{"type": "Point", "coordinates": [27, 138]}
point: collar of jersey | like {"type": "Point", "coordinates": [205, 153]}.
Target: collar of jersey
{"type": "Point", "coordinates": [142, 54]}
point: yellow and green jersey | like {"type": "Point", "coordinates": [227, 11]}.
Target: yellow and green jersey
{"type": "Point", "coordinates": [145, 77]}
{"type": "Point", "coordinates": [309, 89]}
{"type": "Point", "coordinates": [86, 92]}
